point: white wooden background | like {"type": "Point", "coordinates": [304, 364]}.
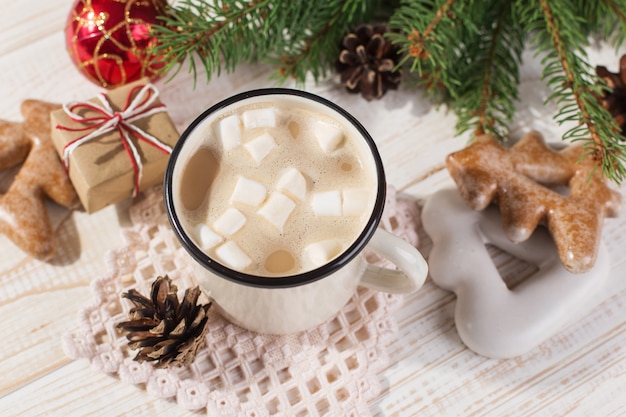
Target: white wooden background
{"type": "Point", "coordinates": [581, 371]}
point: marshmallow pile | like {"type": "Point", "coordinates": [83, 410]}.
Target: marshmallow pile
{"type": "Point", "coordinates": [276, 202]}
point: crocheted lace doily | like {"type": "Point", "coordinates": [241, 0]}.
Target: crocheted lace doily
{"type": "Point", "coordinates": [329, 370]}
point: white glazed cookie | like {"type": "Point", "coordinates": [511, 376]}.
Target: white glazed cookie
{"type": "Point", "coordinates": [491, 319]}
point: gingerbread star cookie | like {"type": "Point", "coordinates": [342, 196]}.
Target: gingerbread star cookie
{"type": "Point", "coordinates": [23, 215]}
{"type": "Point", "coordinates": [524, 181]}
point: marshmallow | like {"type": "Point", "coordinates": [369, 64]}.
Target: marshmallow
{"type": "Point", "coordinates": [207, 237]}
{"type": "Point", "coordinates": [326, 203]}
{"type": "Point", "coordinates": [260, 147]}
{"type": "Point", "coordinates": [292, 181]}
{"type": "Point", "coordinates": [355, 201]}
{"type": "Point", "coordinates": [277, 209]}
{"type": "Point", "coordinates": [259, 118]}
{"type": "Point", "coordinates": [328, 136]}
{"type": "Point", "coordinates": [319, 253]}
{"type": "Point", "coordinates": [248, 192]}
{"type": "Point", "coordinates": [229, 132]}
{"type": "Point", "coordinates": [233, 256]}
{"type": "Point", "coordinates": [229, 222]}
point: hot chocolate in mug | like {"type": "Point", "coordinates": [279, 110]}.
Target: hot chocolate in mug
{"type": "Point", "coordinates": [276, 194]}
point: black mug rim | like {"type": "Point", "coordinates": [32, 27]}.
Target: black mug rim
{"type": "Point", "coordinates": [287, 281]}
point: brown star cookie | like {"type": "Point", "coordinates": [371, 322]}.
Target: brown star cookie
{"type": "Point", "coordinates": [524, 181]}
{"type": "Point", "coordinates": [23, 215]}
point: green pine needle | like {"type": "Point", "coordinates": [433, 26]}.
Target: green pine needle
{"type": "Point", "coordinates": [466, 53]}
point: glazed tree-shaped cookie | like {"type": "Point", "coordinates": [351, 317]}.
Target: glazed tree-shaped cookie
{"type": "Point", "coordinates": [23, 215]}
{"type": "Point", "coordinates": [524, 180]}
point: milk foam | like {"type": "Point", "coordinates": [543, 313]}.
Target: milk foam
{"type": "Point", "coordinates": [347, 167]}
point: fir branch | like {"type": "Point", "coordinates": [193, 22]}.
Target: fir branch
{"type": "Point", "coordinates": [467, 53]}
{"type": "Point", "coordinates": [292, 63]}
{"type": "Point", "coordinates": [477, 71]}
{"type": "Point", "coordinates": [208, 31]}
{"type": "Point", "coordinates": [418, 40]}
{"type": "Point", "coordinates": [413, 28]}
{"type": "Point", "coordinates": [613, 25]}
{"type": "Point", "coordinates": [618, 10]}
{"type": "Point", "coordinates": [314, 49]}
{"type": "Point", "coordinates": [490, 71]}
{"type": "Point", "coordinates": [568, 61]}
{"type": "Point", "coordinates": [486, 121]}
{"type": "Point", "coordinates": [575, 88]}
{"type": "Point", "coordinates": [298, 37]}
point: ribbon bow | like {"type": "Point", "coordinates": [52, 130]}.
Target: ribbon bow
{"type": "Point", "coordinates": [139, 105]}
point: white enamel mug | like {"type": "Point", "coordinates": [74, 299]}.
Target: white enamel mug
{"type": "Point", "coordinates": [289, 304]}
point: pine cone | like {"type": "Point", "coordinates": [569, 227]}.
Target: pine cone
{"type": "Point", "coordinates": [614, 100]}
{"type": "Point", "coordinates": [367, 60]}
{"type": "Point", "coordinates": [166, 331]}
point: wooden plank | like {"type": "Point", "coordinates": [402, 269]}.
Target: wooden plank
{"type": "Point", "coordinates": [76, 389]}
{"type": "Point", "coordinates": [22, 26]}
{"type": "Point", "coordinates": [43, 299]}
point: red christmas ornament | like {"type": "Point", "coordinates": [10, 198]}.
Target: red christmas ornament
{"type": "Point", "coordinates": [110, 40]}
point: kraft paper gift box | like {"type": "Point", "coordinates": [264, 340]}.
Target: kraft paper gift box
{"type": "Point", "coordinates": [102, 169]}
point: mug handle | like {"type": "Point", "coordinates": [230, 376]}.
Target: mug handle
{"type": "Point", "coordinates": [412, 267]}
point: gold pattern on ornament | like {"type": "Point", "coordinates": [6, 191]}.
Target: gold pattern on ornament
{"type": "Point", "coordinates": [98, 20]}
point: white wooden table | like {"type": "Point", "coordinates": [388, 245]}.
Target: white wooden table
{"type": "Point", "coordinates": [581, 371]}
